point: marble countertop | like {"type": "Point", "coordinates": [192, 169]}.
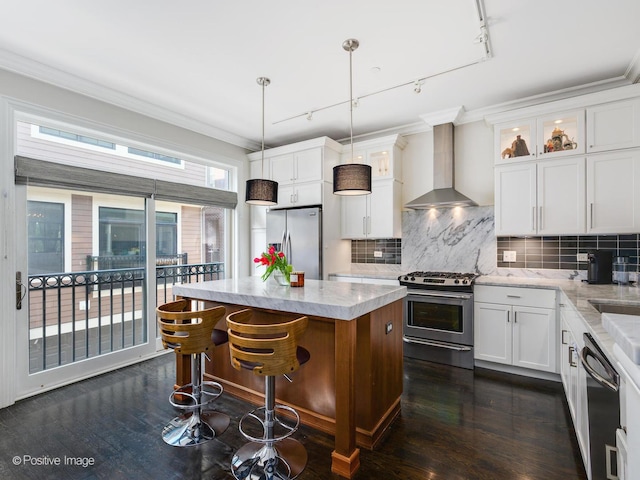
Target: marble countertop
{"type": "Point", "coordinates": [579, 294]}
{"type": "Point", "coordinates": [625, 330]}
{"type": "Point", "coordinates": [339, 300]}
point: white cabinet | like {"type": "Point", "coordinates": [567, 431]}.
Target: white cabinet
{"type": "Point", "coordinates": [298, 195]}
{"type": "Point", "coordinates": [515, 326]}
{"type": "Point", "coordinates": [612, 126]}
{"type": "Point", "coordinates": [613, 192]}
{"type": "Point", "coordinates": [377, 215]}
{"type": "Point", "coordinates": [545, 197]}
{"type": "Point", "coordinates": [383, 154]}
{"type": "Point", "coordinates": [297, 167]}
{"type": "Point", "coordinates": [574, 377]}
{"type": "Point", "coordinates": [553, 135]}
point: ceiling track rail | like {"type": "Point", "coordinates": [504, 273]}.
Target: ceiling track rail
{"type": "Point", "coordinates": [482, 38]}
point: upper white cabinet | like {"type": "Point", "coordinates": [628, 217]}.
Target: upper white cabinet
{"type": "Point", "coordinates": [373, 216]}
{"type": "Point", "coordinates": [613, 192]}
{"type": "Point", "coordinates": [543, 198]}
{"type": "Point", "coordinates": [377, 215]}
{"type": "Point", "coordinates": [570, 171]}
{"type": "Point", "coordinates": [612, 126]}
{"type": "Point", "coordinates": [550, 136]}
{"type": "Point", "coordinates": [384, 154]}
{"type": "Point", "coordinates": [300, 169]}
{"type": "Point", "coordinates": [297, 167]}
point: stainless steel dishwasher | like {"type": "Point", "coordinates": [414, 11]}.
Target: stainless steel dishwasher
{"type": "Point", "coordinates": [604, 409]}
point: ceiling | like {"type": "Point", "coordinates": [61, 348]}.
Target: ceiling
{"type": "Point", "coordinates": [196, 63]}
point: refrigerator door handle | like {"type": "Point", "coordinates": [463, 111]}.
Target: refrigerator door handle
{"type": "Point", "coordinates": [282, 243]}
{"type": "Point", "coordinates": [288, 248]}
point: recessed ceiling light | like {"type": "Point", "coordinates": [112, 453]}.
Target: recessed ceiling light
{"type": "Point", "coordinates": [376, 69]}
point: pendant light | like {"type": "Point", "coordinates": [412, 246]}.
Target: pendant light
{"type": "Point", "coordinates": [351, 178]}
{"type": "Point", "coordinates": [260, 191]}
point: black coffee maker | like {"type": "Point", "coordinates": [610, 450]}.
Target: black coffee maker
{"type": "Point", "coordinates": [600, 267]}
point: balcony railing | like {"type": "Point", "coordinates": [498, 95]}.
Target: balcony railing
{"type": "Point", "coordinates": [109, 262]}
{"type": "Point", "coordinates": [78, 315]}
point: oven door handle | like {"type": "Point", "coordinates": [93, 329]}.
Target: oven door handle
{"type": "Point", "coordinates": [432, 343]}
{"type": "Point", "coordinates": [433, 293]}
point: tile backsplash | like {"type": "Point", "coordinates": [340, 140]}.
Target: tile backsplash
{"type": "Point", "coordinates": [385, 251]}
{"type": "Point", "coordinates": [561, 252]}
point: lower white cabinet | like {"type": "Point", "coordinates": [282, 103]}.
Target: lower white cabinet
{"type": "Point", "coordinates": [515, 326]}
{"type": "Point", "coordinates": [628, 436]}
{"type": "Point", "coordinates": [573, 374]}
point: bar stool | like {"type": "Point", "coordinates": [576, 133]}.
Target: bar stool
{"type": "Point", "coordinates": [192, 333]}
{"type": "Point", "coordinates": [268, 350]}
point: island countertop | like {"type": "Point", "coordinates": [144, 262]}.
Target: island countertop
{"type": "Point", "coordinates": [339, 300]}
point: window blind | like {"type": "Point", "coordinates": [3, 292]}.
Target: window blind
{"type": "Point", "coordinates": [30, 171]}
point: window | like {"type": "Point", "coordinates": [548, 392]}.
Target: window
{"type": "Point", "coordinates": [77, 138]}
{"type": "Point", "coordinates": [45, 237]}
{"type": "Point", "coordinates": [155, 156]}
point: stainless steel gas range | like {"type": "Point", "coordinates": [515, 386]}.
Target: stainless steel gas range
{"type": "Point", "coordinates": [438, 317]}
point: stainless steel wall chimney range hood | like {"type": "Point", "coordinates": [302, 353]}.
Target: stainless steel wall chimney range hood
{"type": "Point", "coordinates": [443, 193]}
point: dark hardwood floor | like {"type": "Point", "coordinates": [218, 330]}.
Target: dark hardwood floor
{"type": "Point", "coordinates": [455, 424]}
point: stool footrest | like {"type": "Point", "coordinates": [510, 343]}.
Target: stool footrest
{"type": "Point", "coordinates": [255, 431]}
{"type": "Point", "coordinates": [206, 396]}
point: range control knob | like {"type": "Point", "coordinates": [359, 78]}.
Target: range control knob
{"type": "Point", "coordinates": [456, 281]}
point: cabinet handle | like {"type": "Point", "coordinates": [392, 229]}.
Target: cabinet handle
{"type": "Point", "coordinates": [540, 220]}
{"type": "Point", "coordinates": [364, 225]}
{"type": "Point", "coordinates": [591, 215]}
{"type": "Point", "coordinates": [513, 296]}
{"type": "Point", "coordinates": [295, 197]}
{"type": "Point", "coordinates": [291, 198]}
{"type": "Point", "coordinates": [571, 362]}
{"type": "Point", "coordinates": [508, 317]}
{"type": "Point", "coordinates": [533, 218]}
{"type": "Point", "coordinates": [368, 225]}
{"type": "Point", "coordinates": [515, 317]}
{"type": "Point", "coordinates": [562, 337]}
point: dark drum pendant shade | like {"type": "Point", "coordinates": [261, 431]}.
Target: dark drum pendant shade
{"type": "Point", "coordinates": [261, 192]}
{"type": "Point", "coordinates": [352, 179]}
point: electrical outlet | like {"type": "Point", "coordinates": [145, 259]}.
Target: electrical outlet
{"type": "Point", "coordinates": [509, 256]}
{"type": "Point", "coordinates": [377, 254]}
{"type": "Point", "coordinates": [582, 257]}
{"type": "Point", "coordinates": [388, 327]}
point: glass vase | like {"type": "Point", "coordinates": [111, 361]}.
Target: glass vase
{"type": "Point", "coordinates": [280, 278]}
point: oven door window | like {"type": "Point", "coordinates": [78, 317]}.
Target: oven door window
{"type": "Point", "coordinates": [436, 316]}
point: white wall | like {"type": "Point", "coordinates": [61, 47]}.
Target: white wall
{"type": "Point", "coordinates": [473, 152]}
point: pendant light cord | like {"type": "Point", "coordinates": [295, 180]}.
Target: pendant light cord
{"type": "Point", "coordinates": [263, 81]}
{"type": "Point", "coordinates": [351, 48]}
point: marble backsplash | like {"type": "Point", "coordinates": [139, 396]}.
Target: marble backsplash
{"type": "Point", "coordinates": [461, 240]}
{"type": "Point", "coordinates": [450, 239]}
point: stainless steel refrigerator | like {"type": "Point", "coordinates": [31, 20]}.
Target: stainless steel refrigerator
{"type": "Point", "coordinates": [298, 233]}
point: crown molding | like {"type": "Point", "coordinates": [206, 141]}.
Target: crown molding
{"type": "Point", "coordinates": [43, 73]}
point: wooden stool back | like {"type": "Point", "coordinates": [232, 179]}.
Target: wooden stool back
{"type": "Point", "coordinates": [186, 331]}
{"type": "Point", "coordinates": [267, 349]}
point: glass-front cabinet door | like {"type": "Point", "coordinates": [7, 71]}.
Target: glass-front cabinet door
{"type": "Point", "coordinates": [561, 134]}
{"type": "Point", "coordinates": [515, 141]}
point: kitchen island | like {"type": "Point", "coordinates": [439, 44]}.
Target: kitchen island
{"type": "Point", "coordinates": [352, 385]}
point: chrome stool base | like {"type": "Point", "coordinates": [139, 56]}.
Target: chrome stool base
{"type": "Point", "coordinates": [284, 460]}
{"type": "Point", "coordinates": [192, 429]}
